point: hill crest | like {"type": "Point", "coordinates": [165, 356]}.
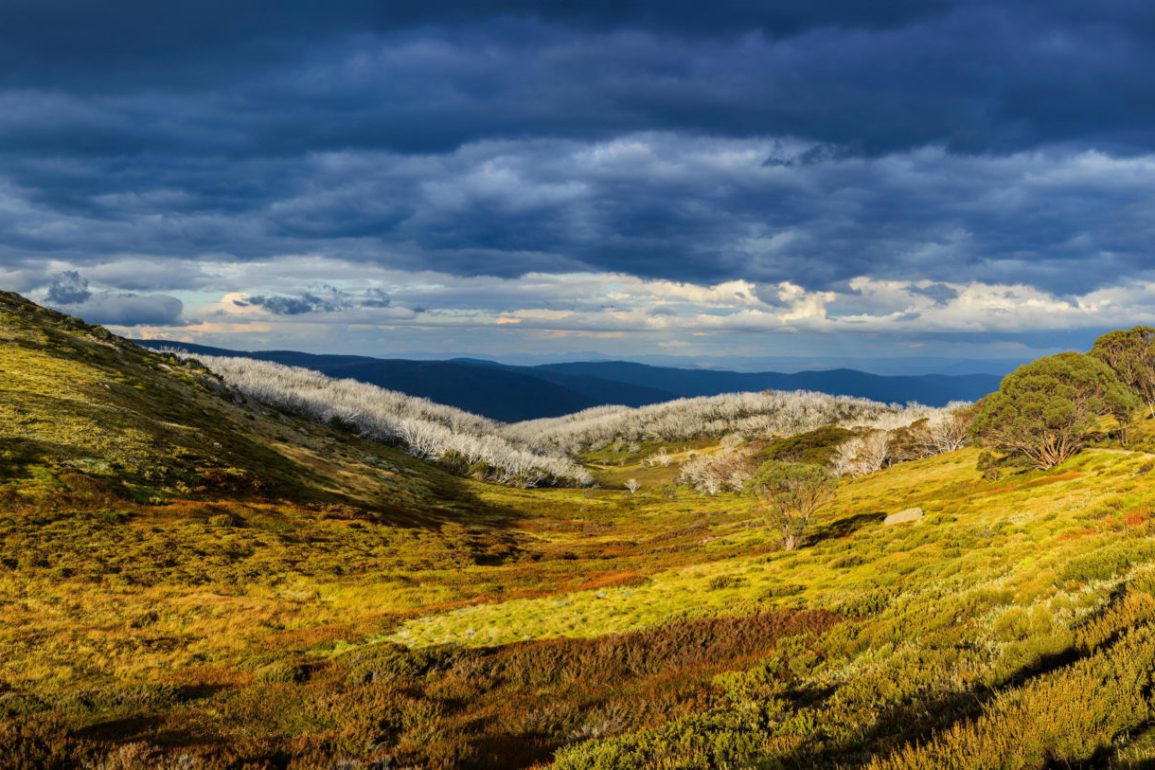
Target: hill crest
{"type": "Point", "coordinates": [515, 393]}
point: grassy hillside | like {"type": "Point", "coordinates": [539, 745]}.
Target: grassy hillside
{"type": "Point", "coordinates": [191, 582]}
{"type": "Point", "coordinates": [80, 406]}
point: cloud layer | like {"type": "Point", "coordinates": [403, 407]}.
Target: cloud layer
{"type": "Point", "coordinates": [627, 316]}
{"type": "Point", "coordinates": [977, 158]}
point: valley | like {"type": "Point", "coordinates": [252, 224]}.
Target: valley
{"type": "Point", "coordinates": [191, 578]}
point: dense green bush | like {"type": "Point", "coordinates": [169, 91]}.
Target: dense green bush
{"type": "Point", "coordinates": [816, 447]}
{"type": "Point", "coordinates": [282, 672]}
{"type": "Point", "coordinates": [1131, 353]}
{"type": "Point", "coordinates": [1107, 562]}
{"type": "Point", "coordinates": [1047, 409]}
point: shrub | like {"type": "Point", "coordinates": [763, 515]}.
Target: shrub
{"type": "Point", "coordinates": [792, 494]}
{"type": "Point", "coordinates": [781, 590]}
{"type": "Point", "coordinates": [816, 446]}
{"type": "Point", "coordinates": [1107, 562]}
{"type": "Point", "coordinates": [988, 465]}
{"type": "Point", "coordinates": [720, 582]}
{"type": "Point", "coordinates": [282, 672]}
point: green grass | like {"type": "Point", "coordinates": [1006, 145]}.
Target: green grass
{"type": "Point", "coordinates": [1051, 523]}
{"type": "Point", "coordinates": [187, 581]}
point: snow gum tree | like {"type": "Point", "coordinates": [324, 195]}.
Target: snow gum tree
{"type": "Point", "coordinates": [1047, 409]}
{"type": "Point", "coordinates": [1131, 353]}
{"type": "Point", "coordinates": [792, 494]}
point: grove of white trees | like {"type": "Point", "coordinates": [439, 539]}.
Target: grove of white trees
{"type": "Point", "coordinates": [862, 454]}
{"type": "Point", "coordinates": [930, 431]}
{"type": "Point", "coordinates": [424, 428]}
{"type": "Point", "coordinates": [542, 452]}
{"type": "Point", "coordinates": [748, 415]}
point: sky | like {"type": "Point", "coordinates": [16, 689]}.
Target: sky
{"type": "Point", "coordinates": [708, 182]}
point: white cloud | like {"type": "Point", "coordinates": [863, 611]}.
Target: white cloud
{"type": "Point", "coordinates": [611, 302]}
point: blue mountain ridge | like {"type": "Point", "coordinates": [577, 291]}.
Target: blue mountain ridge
{"type": "Point", "coordinates": [511, 393]}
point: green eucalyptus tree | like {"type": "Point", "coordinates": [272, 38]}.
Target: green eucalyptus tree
{"type": "Point", "coordinates": [1047, 409]}
{"type": "Point", "coordinates": [1131, 353]}
{"type": "Point", "coordinates": [792, 494]}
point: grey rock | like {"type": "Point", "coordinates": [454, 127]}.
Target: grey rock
{"type": "Point", "coordinates": [902, 517]}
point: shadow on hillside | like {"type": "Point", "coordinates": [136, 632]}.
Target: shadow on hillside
{"type": "Point", "coordinates": [846, 527]}
{"type": "Point", "coordinates": [16, 453]}
{"type": "Point", "coordinates": [119, 728]}
{"type": "Point", "coordinates": [66, 478]}
{"type": "Point", "coordinates": [916, 723]}
{"type": "Point", "coordinates": [462, 505]}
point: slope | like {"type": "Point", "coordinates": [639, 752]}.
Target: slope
{"type": "Point", "coordinates": [1012, 627]}
{"type": "Point", "coordinates": [969, 639]}
{"type": "Point", "coordinates": [225, 626]}
{"type": "Point", "coordinates": [79, 406]}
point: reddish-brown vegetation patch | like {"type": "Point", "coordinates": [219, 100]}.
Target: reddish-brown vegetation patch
{"type": "Point", "coordinates": [613, 580]}
{"type": "Point", "coordinates": [1042, 482]}
{"type": "Point", "coordinates": [1136, 518]}
{"type": "Point", "coordinates": [504, 707]}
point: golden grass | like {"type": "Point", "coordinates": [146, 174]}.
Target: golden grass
{"type": "Point", "coordinates": [156, 603]}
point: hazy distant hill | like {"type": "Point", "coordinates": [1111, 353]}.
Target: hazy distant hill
{"type": "Point", "coordinates": [930, 389]}
{"type": "Point", "coordinates": [499, 392]}
{"type": "Point", "coordinates": [512, 393]}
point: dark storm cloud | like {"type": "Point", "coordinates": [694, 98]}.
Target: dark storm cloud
{"type": "Point", "coordinates": [49, 38]}
{"type": "Point", "coordinates": [124, 77]}
{"type": "Point", "coordinates": [656, 205]}
{"type": "Point", "coordinates": [68, 288]}
{"type": "Point", "coordinates": [940, 293]}
{"type": "Point", "coordinates": [286, 305]}
{"type": "Point", "coordinates": [376, 298]}
{"type": "Point", "coordinates": [128, 309]}
{"type": "Point", "coordinates": [326, 299]}
{"type": "Point", "coordinates": [682, 140]}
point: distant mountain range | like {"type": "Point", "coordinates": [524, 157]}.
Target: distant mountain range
{"type": "Point", "coordinates": [512, 393]}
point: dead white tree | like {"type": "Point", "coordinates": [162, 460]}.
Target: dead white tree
{"type": "Point", "coordinates": [947, 431]}
{"type": "Point", "coordinates": [862, 455]}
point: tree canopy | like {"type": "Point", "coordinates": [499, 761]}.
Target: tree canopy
{"type": "Point", "coordinates": [792, 493]}
{"type": "Point", "coordinates": [1045, 410]}
{"type": "Point", "coordinates": [1131, 353]}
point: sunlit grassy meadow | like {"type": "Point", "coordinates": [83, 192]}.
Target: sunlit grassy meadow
{"type": "Point", "coordinates": [188, 580]}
